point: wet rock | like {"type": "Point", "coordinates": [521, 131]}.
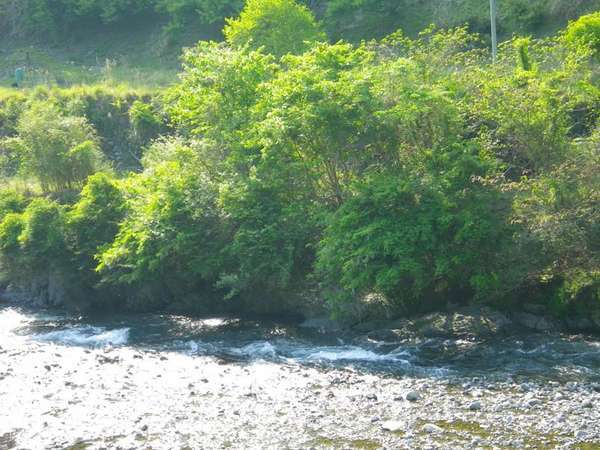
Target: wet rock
{"type": "Point", "coordinates": [413, 396]}
{"type": "Point", "coordinates": [373, 325]}
{"type": "Point", "coordinates": [534, 308]}
{"type": "Point", "coordinates": [386, 336]}
{"type": "Point", "coordinates": [107, 359]}
{"type": "Point", "coordinates": [581, 324]}
{"type": "Point", "coordinates": [535, 322]}
{"type": "Point", "coordinates": [465, 323]}
{"type": "Point", "coordinates": [322, 324]}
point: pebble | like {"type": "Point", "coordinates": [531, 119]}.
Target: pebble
{"type": "Point", "coordinates": [475, 406]}
{"type": "Point", "coordinates": [413, 396]}
{"type": "Point", "coordinates": [580, 434]}
{"type": "Point", "coordinates": [393, 426]}
{"type": "Point", "coordinates": [432, 428]}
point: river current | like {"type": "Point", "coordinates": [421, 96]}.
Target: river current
{"type": "Point", "coordinates": [174, 382]}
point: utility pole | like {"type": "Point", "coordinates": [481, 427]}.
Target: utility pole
{"type": "Point", "coordinates": [494, 33]}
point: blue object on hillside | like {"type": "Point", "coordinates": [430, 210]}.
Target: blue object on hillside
{"type": "Point", "coordinates": [19, 75]}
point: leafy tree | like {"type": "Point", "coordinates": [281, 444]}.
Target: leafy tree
{"type": "Point", "coordinates": [11, 202]}
{"type": "Point", "coordinates": [419, 238]}
{"type": "Point", "coordinates": [60, 151]}
{"type": "Point", "coordinates": [559, 212]}
{"type": "Point", "coordinates": [172, 235]}
{"type": "Point", "coordinates": [585, 31]}
{"type": "Point", "coordinates": [92, 223]}
{"type": "Point", "coordinates": [277, 26]}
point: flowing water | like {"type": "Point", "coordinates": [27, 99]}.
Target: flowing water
{"type": "Point", "coordinates": [173, 382]}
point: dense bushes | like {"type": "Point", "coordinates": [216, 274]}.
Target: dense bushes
{"type": "Point", "coordinates": [420, 238]}
{"type": "Point", "coordinates": [414, 170]}
{"type": "Point", "coordinates": [119, 121]}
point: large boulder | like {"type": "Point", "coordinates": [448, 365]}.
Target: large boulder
{"type": "Point", "coordinates": [536, 322]}
{"type": "Point", "coordinates": [466, 323]}
{"type": "Point", "coordinates": [469, 323]}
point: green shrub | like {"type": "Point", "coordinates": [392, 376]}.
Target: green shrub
{"type": "Point", "coordinates": [92, 223]}
{"type": "Point", "coordinates": [11, 227]}
{"type": "Point", "coordinates": [11, 202]}
{"type": "Point", "coordinates": [277, 26]}
{"type": "Point", "coordinates": [171, 238]}
{"type": "Point", "coordinates": [559, 211]}
{"type": "Point", "coordinates": [146, 125]}
{"type": "Point", "coordinates": [585, 31]}
{"type": "Point", "coordinates": [42, 238]}
{"type": "Point", "coordinates": [420, 240]}
{"type": "Point", "coordinates": [60, 151]}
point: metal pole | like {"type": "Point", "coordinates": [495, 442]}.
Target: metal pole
{"type": "Point", "coordinates": [494, 33]}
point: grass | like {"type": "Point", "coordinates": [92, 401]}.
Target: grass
{"type": "Point", "coordinates": [134, 55]}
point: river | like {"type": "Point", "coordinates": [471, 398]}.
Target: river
{"type": "Point", "coordinates": [172, 382]}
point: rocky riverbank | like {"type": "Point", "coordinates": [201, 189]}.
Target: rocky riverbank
{"type": "Point", "coordinates": [170, 382]}
{"type": "Point", "coordinates": [477, 323]}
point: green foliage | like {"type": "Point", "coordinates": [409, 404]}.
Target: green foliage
{"type": "Point", "coordinates": [585, 32]}
{"type": "Point", "coordinates": [124, 120]}
{"type": "Point", "coordinates": [11, 228]}
{"type": "Point", "coordinates": [224, 83]}
{"type": "Point", "coordinates": [46, 17]}
{"type": "Point", "coordinates": [145, 122]}
{"type": "Point", "coordinates": [60, 151]}
{"type": "Point", "coordinates": [11, 202]}
{"type": "Point", "coordinates": [560, 212]}
{"type": "Point", "coordinates": [413, 171]}
{"type": "Point", "coordinates": [92, 222]}
{"type": "Point", "coordinates": [418, 238]}
{"type": "Point", "coordinates": [172, 235]}
{"type": "Point", "coordinates": [42, 238]}
{"type": "Point", "coordinates": [522, 46]}
{"type": "Point", "coordinates": [207, 11]}
{"type": "Point", "coordinates": [278, 27]}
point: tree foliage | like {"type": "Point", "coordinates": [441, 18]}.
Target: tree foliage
{"type": "Point", "coordinates": [276, 26]}
{"type": "Point", "coordinates": [60, 151]}
{"type": "Point", "coordinates": [416, 170]}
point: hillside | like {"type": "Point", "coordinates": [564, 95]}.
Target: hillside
{"type": "Point", "coordinates": [140, 46]}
